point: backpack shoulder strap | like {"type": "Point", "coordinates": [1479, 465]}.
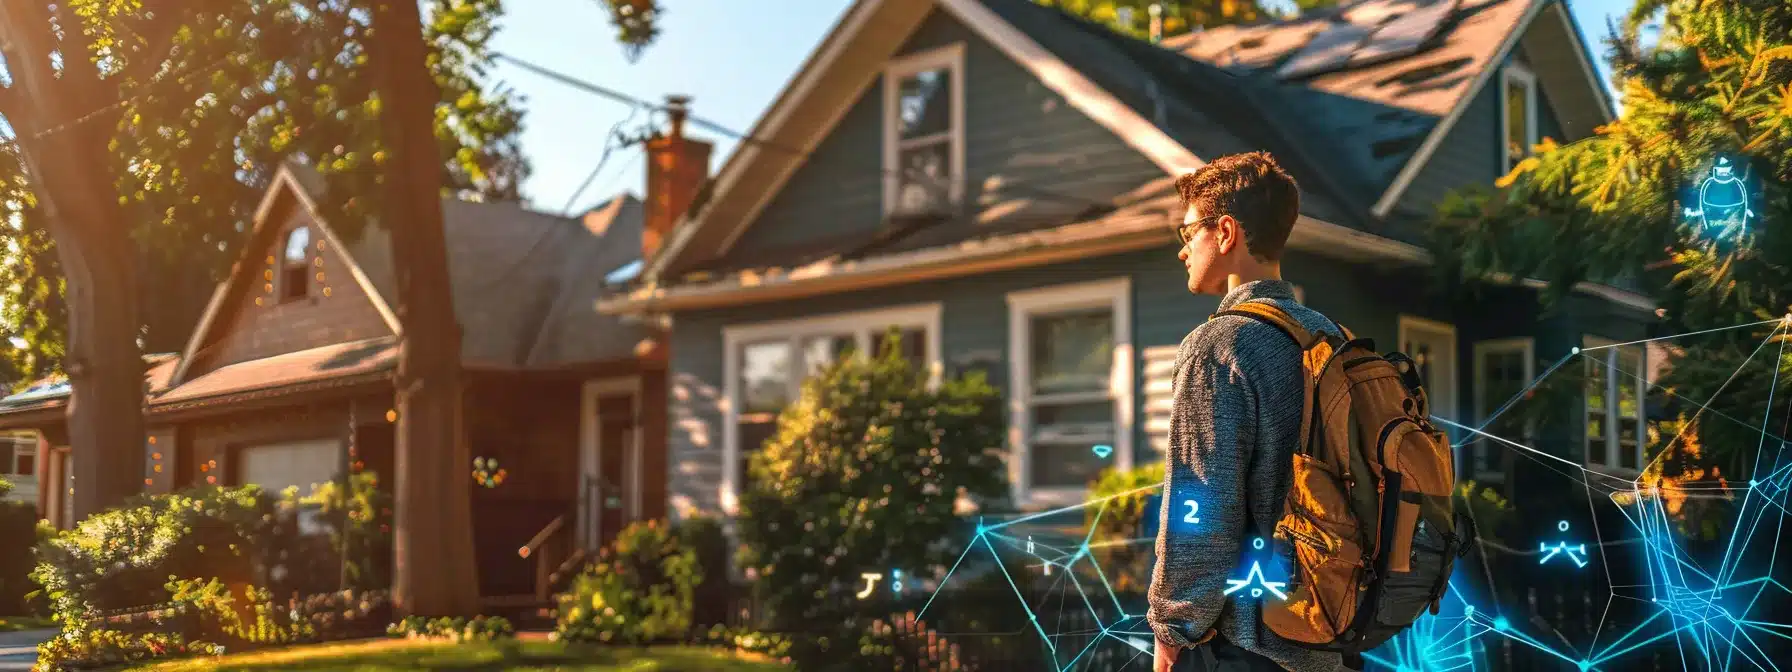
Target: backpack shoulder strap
{"type": "Point", "coordinates": [1273, 315]}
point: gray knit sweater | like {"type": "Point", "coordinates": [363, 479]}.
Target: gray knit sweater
{"type": "Point", "coordinates": [1233, 430]}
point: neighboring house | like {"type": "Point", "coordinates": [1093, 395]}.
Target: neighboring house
{"type": "Point", "coordinates": [288, 378]}
{"type": "Point", "coordinates": [994, 177]}
{"type": "Point", "coordinates": [18, 465]}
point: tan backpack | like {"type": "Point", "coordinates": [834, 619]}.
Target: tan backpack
{"type": "Point", "coordinates": [1368, 529]}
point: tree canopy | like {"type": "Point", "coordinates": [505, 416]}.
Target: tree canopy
{"type": "Point", "coordinates": [1714, 87]}
{"type": "Point", "coordinates": [213, 97]}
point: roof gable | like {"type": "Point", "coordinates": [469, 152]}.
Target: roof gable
{"type": "Point", "coordinates": [287, 199]}
{"type": "Point", "coordinates": [850, 59]}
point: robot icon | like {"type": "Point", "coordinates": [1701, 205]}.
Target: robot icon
{"type": "Point", "coordinates": [1723, 201]}
{"type": "Point", "coordinates": [1577, 553]}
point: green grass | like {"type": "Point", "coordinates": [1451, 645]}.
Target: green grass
{"type": "Point", "coordinates": [397, 654]}
{"type": "Point", "coordinates": [11, 623]}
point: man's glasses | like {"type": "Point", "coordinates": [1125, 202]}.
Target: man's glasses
{"type": "Point", "coordinates": [1186, 232]}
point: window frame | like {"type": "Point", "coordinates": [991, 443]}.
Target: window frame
{"type": "Point", "coordinates": [1610, 349]}
{"type": "Point", "coordinates": [1527, 348]}
{"type": "Point", "coordinates": [864, 325]}
{"type": "Point", "coordinates": [287, 266]}
{"type": "Point", "coordinates": [1023, 306]}
{"type": "Point", "coordinates": [1405, 326]}
{"type": "Point", "coordinates": [1517, 74]}
{"type": "Point", "coordinates": [951, 58]}
{"type": "Point", "coordinates": [21, 447]}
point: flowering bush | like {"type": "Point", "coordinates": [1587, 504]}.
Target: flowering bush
{"type": "Point", "coordinates": [478, 628]}
{"type": "Point", "coordinates": [639, 591]}
{"type": "Point", "coordinates": [92, 649]}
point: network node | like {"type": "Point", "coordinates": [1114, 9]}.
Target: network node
{"type": "Point", "coordinates": [1501, 623]}
{"type": "Point", "coordinates": [1574, 350]}
{"type": "Point", "coordinates": [1585, 665]}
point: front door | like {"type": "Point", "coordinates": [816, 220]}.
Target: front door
{"type": "Point", "coordinates": [609, 486]}
{"type": "Point", "coordinates": [1432, 345]}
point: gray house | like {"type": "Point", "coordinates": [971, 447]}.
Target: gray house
{"type": "Point", "coordinates": [994, 177]}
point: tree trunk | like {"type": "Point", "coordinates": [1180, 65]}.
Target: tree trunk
{"type": "Point", "coordinates": [70, 171]}
{"type": "Point", "coordinates": [433, 572]}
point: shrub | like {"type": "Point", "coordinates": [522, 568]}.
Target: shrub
{"type": "Point", "coordinates": [360, 521]}
{"type": "Point", "coordinates": [18, 522]}
{"type": "Point", "coordinates": [747, 640]}
{"type": "Point", "coordinates": [108, 648]}
{"type": "Point", "coordinates": [478, 628]}
{"type": "Point", "coordinates": [1128, 497]}
{"type": "Point", "coordinates": [864, 474]}
{"type": "Point", "coordinates": [126, 558]}
{"type": "Point", "coordinates": [703, 535]}
{"type": "Point", "coordinates": [905, 643]}
{"type": "Point", "coordinates": [639, 591]}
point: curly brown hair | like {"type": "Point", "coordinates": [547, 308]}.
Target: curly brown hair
{"type": "Point", "coordinates": [1254, 190]}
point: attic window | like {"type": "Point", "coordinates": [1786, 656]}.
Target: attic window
{"type": "Point", "coordinates": [924, 132]}
{"type": "Point", "coordinates": [295, 267]}
{"type": "Point", "coordinates": [1518, 115]}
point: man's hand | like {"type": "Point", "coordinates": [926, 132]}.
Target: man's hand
{"type": "Point", "coordinates": [1165, 656]}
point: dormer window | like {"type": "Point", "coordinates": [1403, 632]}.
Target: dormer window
{"type": "Point", "coordinates": [295, 265]}
{"type": "Point", "coordinates": [1518, 115]}
{"type": "Point", "coordinates": [924, 132]}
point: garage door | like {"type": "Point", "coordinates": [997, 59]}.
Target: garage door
{"type": "Point", "coordinates": [277, 466]}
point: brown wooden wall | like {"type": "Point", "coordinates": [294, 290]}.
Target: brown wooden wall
{"type": "Point", "coordinates": [255, 324]}
{"type": "Point", "coordinates": [653, 444]}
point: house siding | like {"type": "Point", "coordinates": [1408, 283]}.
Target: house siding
{"type": "Point", "coordinates": [257, 325]}
{"type": "Point", "coordinates": [974, 324]}
{"type": "Point", "coordinates": [1029, 156]}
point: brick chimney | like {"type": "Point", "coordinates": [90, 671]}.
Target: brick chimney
{"type": "Point", "coordinates": [676, 168]}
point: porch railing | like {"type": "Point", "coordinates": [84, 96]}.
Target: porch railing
{"type": "Point", "coordinates": [549, 548]}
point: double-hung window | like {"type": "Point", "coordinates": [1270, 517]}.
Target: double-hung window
{"type": "Point", "coordinates": [1503, 371]}
{"type": "Point", "coordinates": [924, 132]}
{"type": "Point", "coordinates": [1070, 387]}
{"type": "Point", "coordinates": [766, 364]}
{"type": "Point", "coordinates": [1518, 115]}
{"type": "Point", "coordinates": [1616, 384]}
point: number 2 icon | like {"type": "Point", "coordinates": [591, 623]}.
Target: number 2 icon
{"type": "Point", "coordinates": [1193, 508]}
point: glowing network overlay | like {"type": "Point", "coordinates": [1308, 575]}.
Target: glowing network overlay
{"type": "Point", "coordinates": [1705, 615]}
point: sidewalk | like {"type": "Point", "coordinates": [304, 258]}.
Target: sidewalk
{"type": "Point", "coordinates": [18, 650]}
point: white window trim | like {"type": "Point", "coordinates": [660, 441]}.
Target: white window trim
{"type": "Point", "coordinates": [1407, 322]}
{"type": "Point", "coordinates": [1527, 348]}
{"type": "Point", "coordinates": [863, 324]}
{"type": "Point", "coordinates": [1517, 74]}
{"type": "Point", "coordinates": [1023, 305]}
{"type": "Point", "coordinates": [1612, 374]}
{"type": "Point", "coordinates": [950, 57]}
{"type": "Point", "coordinates": [21, 446]}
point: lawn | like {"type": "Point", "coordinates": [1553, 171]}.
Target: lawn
{"type": "Point", "coordinates": [398, 654]}
{"type": "Point", "coordinates": [11, 623]}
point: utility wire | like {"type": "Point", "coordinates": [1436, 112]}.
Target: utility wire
{"type": "Point", "coordinates": [797, 152]}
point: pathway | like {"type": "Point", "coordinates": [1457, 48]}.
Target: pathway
{"type": "Point", "coordinates": [18, 650]}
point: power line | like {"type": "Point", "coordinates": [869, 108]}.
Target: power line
{"type": "Point", "coordinates": [718, 128]}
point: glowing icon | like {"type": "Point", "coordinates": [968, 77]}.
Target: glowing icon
{"type": "Point", "coordinates": [896, 582]}
{"type": "Point", "coordinates": [1723, 200]}
{"type": "Point", "coordinates": [1576, 553]}
{"type": "Point", "coordinates": [1194, 508]}
{"type": "Point", "coordinates": [1029, 544]}
{"type": "Point", "coordinates": [1256, 577]}
{"type": "Point", "coordinates": [870, 583]}
{"type": "Point", "coordinates": [1103, 451]}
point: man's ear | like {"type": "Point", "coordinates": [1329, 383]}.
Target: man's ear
{"type": "Point", "coordinates": [1229, 234]}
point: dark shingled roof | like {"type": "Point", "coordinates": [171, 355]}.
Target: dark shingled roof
{"type": "Point", "coordinates": [526, 283]}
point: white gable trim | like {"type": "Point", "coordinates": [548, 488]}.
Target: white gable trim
{"type": "Point", "coordinates": [1066, 81]}
{"type": "Point", "coordinates": [1413, 165]}
{"type": "Point", "coordinates": [283, 180]}
{"type": "Point", "coordinates": [808, 75]}
{"type": "Point", "coordinates": [1606, 108]}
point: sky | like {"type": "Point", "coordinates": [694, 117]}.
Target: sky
{"type": "Point", "coordinates": [731, 57]}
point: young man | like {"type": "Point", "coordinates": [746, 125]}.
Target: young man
{"type": "Point", "coordinates": [1234, 425]}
